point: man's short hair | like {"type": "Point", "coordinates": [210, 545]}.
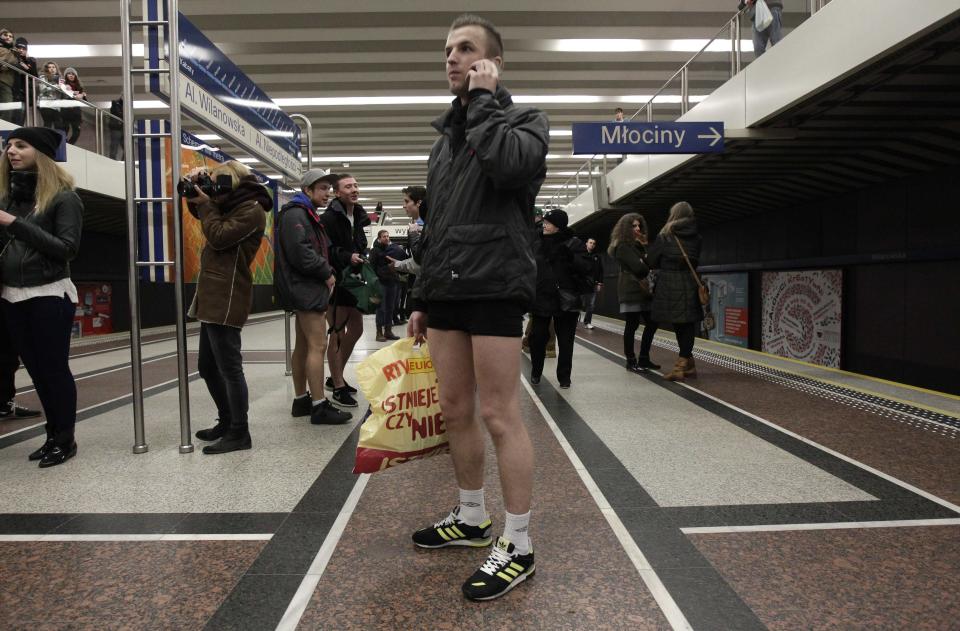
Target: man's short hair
{"type": "Point", "coordinates": [382, 232]}
{"type": "Point", "coordinates": [618, 110]}
{"type": "Point", "coordinates": [341, 176]}
{"type": "Point", "coordinates": [494, 41]}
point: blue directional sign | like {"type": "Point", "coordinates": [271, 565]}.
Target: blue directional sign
{"type": "Point", "coordinates": [613, 137]}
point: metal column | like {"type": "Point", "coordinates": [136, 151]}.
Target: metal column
{"type": "Point", "coordinates": [288, 353]}
{"type": "Point", "coordinates": [134, 265]}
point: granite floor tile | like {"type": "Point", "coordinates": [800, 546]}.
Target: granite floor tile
{"type": "Point", "coordinates": [230, 523]}
{"type": "Point", "coordinates": [708, 602]}
{"type": "Point", "coordinates": [118, 585]}
{"type": "Point", "coordinates": [294, 545]}
{"type": "Point", "coordinates": [255, 602]}
{"type": "Point", "coordinates": [36, 524]}
{"type": "Point", "coordinates": [877, 578]}
{"type": "Point", "coordinates": [120, 523]}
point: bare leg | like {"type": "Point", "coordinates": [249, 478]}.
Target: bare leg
{"type": "Point", "coordinates": [314, 327]}
{"type": "Point", "coordinates": [345, 339]}
{"type": "Point", "coordinates": [299, 360]}
{"type": "Point", "coordinates": [453, 360]}
{"type": "Point", "coordinates": [496, 363]}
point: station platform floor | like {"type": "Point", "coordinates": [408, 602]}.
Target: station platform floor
{"type": "Point", "coordinates": [763, 494]}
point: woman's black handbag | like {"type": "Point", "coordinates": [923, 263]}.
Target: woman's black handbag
{"type": "Point", "coordinates": [570, 300]}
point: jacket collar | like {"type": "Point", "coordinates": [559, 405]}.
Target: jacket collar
{"type": "Point", "coordinates": [502, 95]}
{"type": "Point", "coordinates": [337, 206]}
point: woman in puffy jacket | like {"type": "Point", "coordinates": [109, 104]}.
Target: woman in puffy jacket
{"type": "Point", "coordinates": [40, 227]}
{"type": "Point", "coordinates": [627, 245]}
{"type": "Point", "coordinates": [304, 282]}
{"type": "Point", "coordinates": [49, 96]}
{"type": "Point", "coordinates": [675, 297]}
{"type": "Point", "coordinates": [72, 113]}
{"type": "Point", "coordinates": [233, 219]}
{"type": "Point", "coordinates": [563, 271]}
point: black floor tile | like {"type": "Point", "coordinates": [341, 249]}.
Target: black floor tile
{"type": "Point", "coordinates": [620, 488]}
{"type": "Point", "coordinates": [768, 514]}
{"type": "Point", "coordinates": [295, 544]}
{"type": "Point", "coordinates": [120, 523]}
{"type": "Point", "coordinates": [706, 600]}
{"type": "Point", "coordinates": [32, 524]}
{"type": "Point", "coordinates": [257, 602]}
{"type": "Point", "coordinates": [230, 523]}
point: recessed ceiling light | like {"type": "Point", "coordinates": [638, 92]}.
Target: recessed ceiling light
{"type": "Point", "coordinates": [644, 45]}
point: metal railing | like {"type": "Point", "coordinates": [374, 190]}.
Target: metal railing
{"type": "Point", "coordinates": [46, 104]}
{"type": "Point", "coordinates": [733, 27]}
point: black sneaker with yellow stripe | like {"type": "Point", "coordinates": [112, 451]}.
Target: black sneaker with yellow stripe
{"type": "Point", "coordinates": [452, 531]}
{"type": "Point", "coordinates": [503, 570]}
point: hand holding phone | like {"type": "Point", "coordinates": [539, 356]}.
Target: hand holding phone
{"type": "Point", "coordinates": [484, 74]}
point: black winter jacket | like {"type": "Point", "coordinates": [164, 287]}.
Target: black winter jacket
{"type": "Point", "coordinates": [303, 266]}
{"type": "Point", "coordinates": [483, 178]}
{"type": "Point", "coordinates": [562, 263]}
{"type": "Point", "coordinates": [38, 247]}
{"type": "Point", "coordinates": [675, 298]}
{"type": "Point", "coordinates": [378, 259]}
{"type": "Point", "coordinates": [634, 269]}
{"type": "Point", "coordinates": [344, 241]}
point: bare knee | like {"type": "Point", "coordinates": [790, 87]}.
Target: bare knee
{"type": "Point", "coordinates": [498, 421]}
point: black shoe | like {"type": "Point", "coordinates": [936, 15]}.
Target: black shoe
{"type": "Point", "coordinates": [301, 405]}
{"type": "Point", "coordinates": [11, 408]}
{"type": "Point", "coordinates": [632, 364]}
{"type": "Point", "coordinates": [503, 570]}
{"type": "Point", "coordinates": [58, 455]}
{"type": "Point", "coordinates": [328, 384]}
{"type": "Point", "coordinates": [233, 440]}
{"type": "Point", "coordinates": [564, 385]}
{"type": "Point", "coordinates": [342, 398]}
{"type": "Point", "coordinates": [325, 414]}
{"type": "Point", "coordinates": [43, 451]}
{"type": "Point", "coordinates": [214, 433]}
{"type": "Point", "coordinates": [535, 380]}
{"type": "Point", "coordinates": [644, 363]}
{"type": "Point", "coordinates": [450, 531]}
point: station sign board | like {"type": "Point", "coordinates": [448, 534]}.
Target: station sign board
{"type": "Point", "coordinates": [647, 138]}
{"type": "Point", "coordinates": [223, 98]}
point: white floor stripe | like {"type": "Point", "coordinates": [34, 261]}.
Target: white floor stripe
{"type": "Point", "coordinates": [141, 537]}
{"type": "Point", "coordinates": [889, 478]}
{"type": "Point", "coordinates": [906, 523]}
{"type": "Point", "coordinates": [656, 587]}
{"type": "Point", "coordinates": [298, 605]}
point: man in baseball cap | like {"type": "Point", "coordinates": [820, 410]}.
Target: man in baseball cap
{"type": "Point", "coordinates": [315, 176]}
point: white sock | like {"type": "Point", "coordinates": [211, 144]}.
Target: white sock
{"type": "Point", "coordinates": [302, 396]}
{"type": "Point", "coordinates": [516, 531]}
{"type": "Point", "coordinates": [317, 402]}
{"type": "Point", "coordinates": [473, 512]}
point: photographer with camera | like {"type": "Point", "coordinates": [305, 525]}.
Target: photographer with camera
{"type": "Point", "coordinates": [344, 221]}
{"type": "Point", "coordinates": [232, 207]}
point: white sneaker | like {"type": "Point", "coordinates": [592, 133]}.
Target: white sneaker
{"type": "Point", "coordinates": [589, 327]}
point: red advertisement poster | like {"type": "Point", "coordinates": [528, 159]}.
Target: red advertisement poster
{"type": "Point", "coordinates": [94, 314]}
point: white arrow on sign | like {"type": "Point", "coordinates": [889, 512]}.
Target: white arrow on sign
{"type": "Point", "coordinates": [716, 136]}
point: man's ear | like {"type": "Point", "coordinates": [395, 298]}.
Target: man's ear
{"type": "Point", "coordinates": [499, 61]}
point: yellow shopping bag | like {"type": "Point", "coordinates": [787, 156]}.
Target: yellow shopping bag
{"type": "Point", "coordinates": [404, 421]}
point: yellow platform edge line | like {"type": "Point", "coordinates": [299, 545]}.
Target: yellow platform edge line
{"type": "Point", "coordinates": [916, 404]}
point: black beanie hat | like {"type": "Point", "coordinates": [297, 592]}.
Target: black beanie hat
{"type": "Point", "coordinates": [558, 218]}
{"type": "Point", "coordinates": [44, 140]}
{"type": "Point", "coordinates": [21, 41]}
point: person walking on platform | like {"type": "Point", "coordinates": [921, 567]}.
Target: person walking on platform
{"type": "Point", "coordinates": [552, 337]}
{"type": "Point", "coordinates": [563, 272]}
{"type": "Point", "coordinates": [596, 284]}
{"type": "Point", "coordinates": [770, 35]}
{"type": "Point", "coordinates": [478, 276]}
{"type": "Point", "coordinates": [344, 221]}
{"type": "Point", "coordinates": [304, 282]}
{"type": "Point", "coordinates": [233, 218]}
{"type": "Point", "coordinates": [675, 297]}
{"type": "Point", "coordinates": [389, 282]}
{"type": "Point", "coordinates": [40, 229]}
{"type": "Point", "coordinates": [628, 242]}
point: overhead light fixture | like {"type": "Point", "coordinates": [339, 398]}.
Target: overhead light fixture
{"type": "Point", "coordinates": [72, 51]}
{"type": "Point", "coordinates": [561, 132]}
{"type": "Point", "coordinates": [644, 45]}
{"type": "Point", "coordinates": [208, 137]}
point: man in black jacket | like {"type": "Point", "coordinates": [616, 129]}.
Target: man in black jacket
{"type": "Point", "coordinates": [477, 279]}
{"type": "Point", "coordinates": [596, 275]}
{"type": "Point", "coordinates": [29, 65]}
{"type": "Point", "coordinates": [344, 221]}
{"type": "Point", "coordinates": [389, 282]}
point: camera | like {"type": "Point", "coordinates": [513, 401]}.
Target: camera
{"type": "Point", "coordinates": [210, 187]}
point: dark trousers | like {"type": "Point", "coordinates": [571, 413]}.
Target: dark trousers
{"type": "Point", "coordinates": [9, 362]}
{"type": "Point", "coordinates": [221, 366]}
{"type": "Point", "coordinates": [589, 301]}
{"type": "Point", "coordinates": [566, 327]}
{"type": "Point", "coordinates": [630, 330]}
{"type": "Point", "coordinates": [387, 303]}
{"type": "Point", "coordinates": [116, 144]}
{"type": "Point", "coordinates": [686, 333]}
{"type": "Point", "coordinates": [40, 330]}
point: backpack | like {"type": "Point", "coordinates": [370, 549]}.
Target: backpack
{"type": "Point", "coordinates": [364, 284]}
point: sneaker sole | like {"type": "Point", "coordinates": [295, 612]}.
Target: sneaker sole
{"type": "Point", "coordinates": [343, 405]}
{"type": "Point", "coordinates": [513, 583]}
{"type": "Point", "coordinates": [466, 543]}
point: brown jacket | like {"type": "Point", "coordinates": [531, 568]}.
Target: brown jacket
{"type": "Point", "coordinates": [233, 229]}
{"type": "Point", "coordinates": [7, 75]}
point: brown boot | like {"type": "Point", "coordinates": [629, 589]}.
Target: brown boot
{"type": "Point", "coordinates": [388, 333]}
{"type": "Point", "coordinates": [380, 336]}
{"type": "Point", "coordinates": [690, 370]}
{"type": "Point", "coordinates": [677, 373]}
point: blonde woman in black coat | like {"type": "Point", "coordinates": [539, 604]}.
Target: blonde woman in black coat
{"type": "Point", "coordinates": [675, 298]}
